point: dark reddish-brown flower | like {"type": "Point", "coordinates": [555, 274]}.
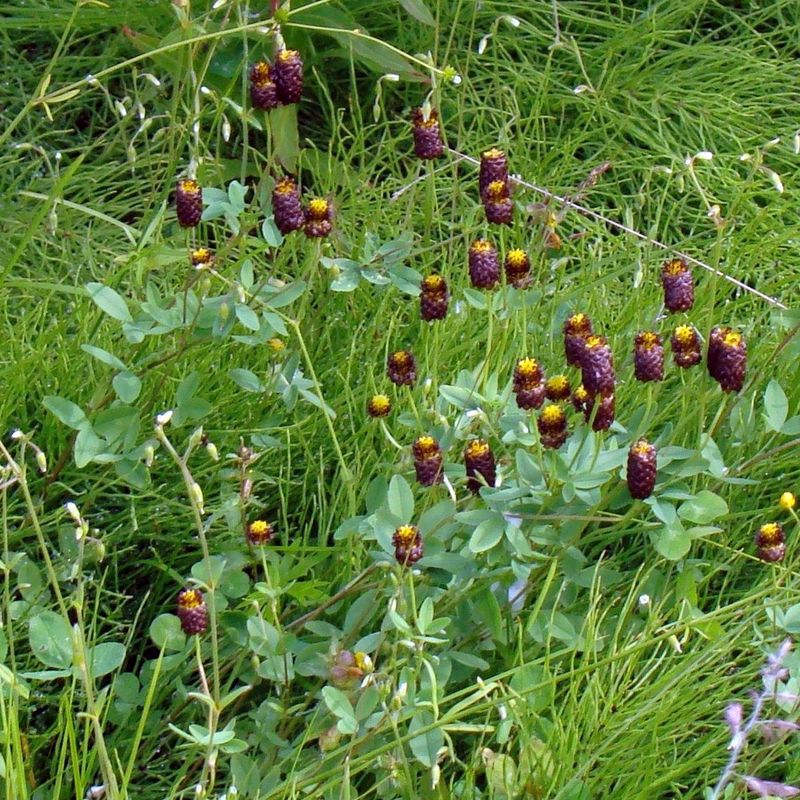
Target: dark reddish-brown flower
{"type": "Point", "coordinates": [604, 416]}
{"type": "Point", "coordinates": [288, 76]}
{"type": "Point", "coordinates": [557, 388]}
{"type": "Point", "coordinates": [427, 133]}
{"type": "Point", "coordinates": [427, 460]}
{"type": "Point", "coordinates": [318, 215]}
{"type": "Point", "coordinates": [379, 405]}
{"type": "Point", "coordinates": [407, 542]}
{"type": "Point", "coordinates": [771, 542]}
{"type": "Point", "coordinates": [480, 463]}
{"type": "Point", "coordinates": [484, 265]}
{"type": "Point", "coordinates": [552, 426]}
{"type": "Point", "coordinates": [577, 328]}
{"type": "Point", "coordinates": [641, 469]}
{"type": "Point", "coordinates": [434, 298]}
{"type": "Point", "coordinates": [527, 374]}
{"type": "Point", "coordinates": [260, 532]}
{"type": "Point", "coordinates": [192, 611]}
{"type": "Point", "coordinates": [349, 668]}
{"type": "Point", "coordinates": [727, 358]}
{"type": "Point", "coordinates": [494, 167]}
{"type": "Point", "coordinates": [685, 345]}
{"type": "Point", "coordinates": [263, 91]}
{"type": "Point", "coordinates": [648, 357]}
{"type": "Point", "coordinates": [676, 278]}
{"type": "Point", "coordinates": [518, 268]}
{"type": "Point", "coordinates": [286, 206]}
{"type": "Point", "coordinates": [202, 257]}
{"type": "Point", "coordinates": [189, 202]}
{"type": "Point", "coordinates": [401, 367]}
{"type": "Point", "coordinates": [528, 385]}
{"type": "Point", "coordinates": [597, 366]}
{"type": "Point", "coordinates": [497, 203]}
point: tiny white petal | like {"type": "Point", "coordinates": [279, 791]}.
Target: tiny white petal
{"type": "Point", "coordinates": [483, 44]}
{"type": "Point", "coordinates": [121, 110]}
{"type": "Point", "coordinates": [644, 600]}
{"type": "Point", "coordinates": [152, 78]}
{"type": "Point", "coordinates": [704, 155]}
{"type": "Point", "coordinates": [206, 91]}
{"type": "Point", "coordinates": [456, 80]}
{"type": "Point", "coordinates": [797, 143]}
{"type": "Point", "coordinates": [391, 76]}
{"type": "Point", "coordinates": [218, 4]}
{"type": "Point", "coordinates": [775, 178]}
{"type": "Point", "coordinates": [512, 21]}
{"type": "Point", "coordinates": [745, 157]}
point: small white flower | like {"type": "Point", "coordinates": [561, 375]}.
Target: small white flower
{"type": "Point", "coordinates": [121, 110]}
{"type": "Point", "coordinates": [512, 21]}
{"type": "Point", "coordinates": [90, 79]}
{"type": "Point", "coordinates": [644, 600]}
{"type": "Point", "coordinates": [775, 178]}
{"type": "Point", "coordinates": [164, 417]}
{"type": "Point", "coordinates": [483, 44]}
{"type": "Point", "coordinates": [796, 142]}
{"type": "Point", "coordinates": [206, 91]}
{"type": "Point", "coordinates": [152, 78]}
{"type": "Point", "coordinates": [704, 155]}
{"type": "Point", "coordinates": [581, 88]}
{"type": "Point", "coordinates": [391, 76]}
{"type": "Point", "coordinates": [72, 510]}
{"type": "Point", "coordinates": [456, 80]}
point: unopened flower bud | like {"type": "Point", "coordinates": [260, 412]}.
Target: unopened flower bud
{"type": "Point", "coordinates": [212, 451]}
{"type": "Point", "coordinates": [197, 496]}
{"type": "Point", "coordinates": [41, 461]}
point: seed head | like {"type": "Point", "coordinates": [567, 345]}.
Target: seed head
{"type": "Point", "coordinates": [604, 416]}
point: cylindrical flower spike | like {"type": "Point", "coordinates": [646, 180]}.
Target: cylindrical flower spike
{"type": "Point", "coordinates": [641, 469]}
{"type": "Point", "coordinates": [427, 460]}
{"type": "Point", "coordinates": [318, 215]}
{"type": "Point", "coordinates": [286, 206]}
{"type": "Point", "coordinates": [676, 278]}
{"type": "Point", "coordinates": [401, 367]}
{"type": "Point", "coordinates": [771, 542]}
{"type": "Point", "coordinates": [494, 167]}
{"type": "Point", "coordinates": [685, 344]}
{"type": "Point", "coordinates": [479, 461]}
{"type": "Point", "coordinates": [379, 405]}
{"type": "Point", "coordinates": [528, 399]}
{"type": "Point", "coordinates": [577, 329]}
{"type": "Point", "coordinates": [606, 410]}
{"type": "Point", "coordinates": [552, 426]}
{"type": "Point", "coordinates": [434, 298]}
{"type": "Point", "coordinates": [189, 202]}
{"type": "Point", "coordinates": [484, 265]}
{"type": "Point", "coordinates": [557, 388]}
{"type": "Point", "coordinates": [288, 76]}
{"type": "Point", "coordinates": [597, 366]}
{"type": "Point", "coordinates": [192, 611]}
{"type": "Point", "coordinates": [497, 203]}
{"type": "Point", "coordinates": [427, 134]}
{"type": "Point", "coordinates": [518, 268]}
{"type": "Point", "coordinates": [260, 532]}
{"type": "Point", "coordinates": [407, 543]}
{"type": "Point", "coordinates": [727, 358]}
{"type": "Point", "coordinates": [263, 91]}
{"type": "Point", "coordinates": [648, 357]}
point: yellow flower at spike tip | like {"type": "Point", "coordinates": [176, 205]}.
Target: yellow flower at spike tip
{"type": "Point", "coordinates": [788, 501]}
